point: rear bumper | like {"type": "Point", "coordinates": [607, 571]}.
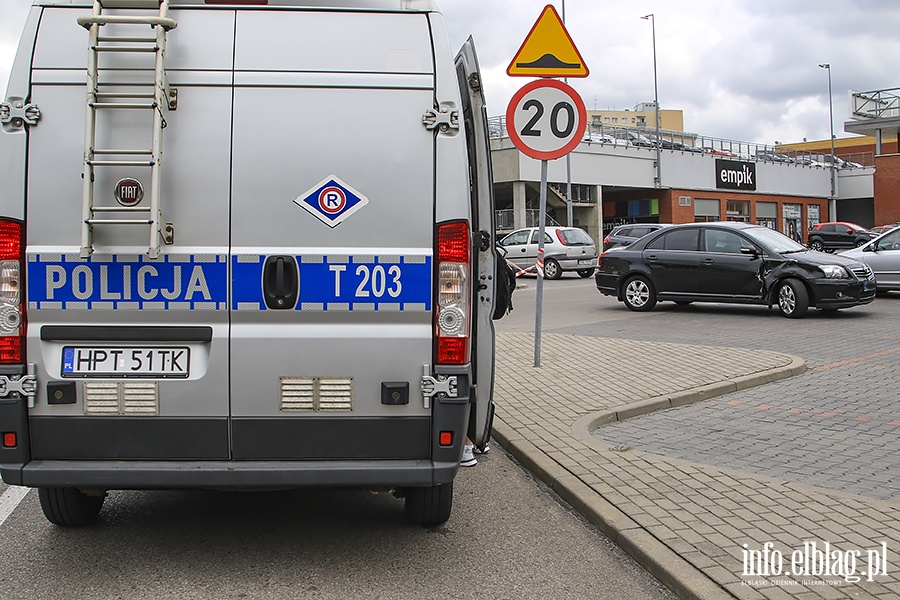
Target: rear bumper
{"type": "Point", "coordinates": [607, 284]}
{"type": "Point", "coordinates": [575, 264]}
{"type": "Point", "coordinates": [143, 475]}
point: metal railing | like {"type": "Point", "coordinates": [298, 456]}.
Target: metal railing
{"type": "Point", "coordinates": [505, 219]}
{"type": "Point", "coordinates": [877, 104]}
{"type": "Point", "coordinates": [687, 142]}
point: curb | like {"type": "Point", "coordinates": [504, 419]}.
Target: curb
{"type": "Point", "coordinates": [676, 573]}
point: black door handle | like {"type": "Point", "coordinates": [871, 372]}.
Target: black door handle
{"type": "Point", "coordinates": [281, 282]}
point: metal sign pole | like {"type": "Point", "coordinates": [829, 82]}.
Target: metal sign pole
{"type": "Point", "coordinates": [539, 305]}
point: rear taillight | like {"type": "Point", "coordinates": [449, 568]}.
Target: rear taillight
{"type": "Point", "coordinates": [605, 241]}
{"type": "Point", "coordinates": [12, 311]}
{"type": "Point", "coordinates": [453, 302]}
{"type": "Point", "coordinates": [559, 235]}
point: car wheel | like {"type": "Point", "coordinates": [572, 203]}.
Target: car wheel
{"type": "Point", "coordinates": [816, 245]}
{"type": "Point", "coordinates": [429, 506]}
{"type": "Point", "coordinates": [793, 299]}
{"type": "Point", "coordinates": [68, 506]}
{"type": "Point", "coordinates": [638, 294]}
{"type": "Point", "coordinates": [585, 273]}
{"type": "Point", "coordinates": [551, 269]}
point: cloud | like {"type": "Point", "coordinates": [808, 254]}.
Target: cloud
{"type": "Point", "coordinates": [742, 69]}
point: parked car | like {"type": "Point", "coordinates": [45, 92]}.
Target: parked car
{"type": "Point", "coordinates": [626, 234]}
{"type": "Point", "coordinates": [768, 155]}
{"type": "Point", "coordinates": [883, 228]}
{"type": "Point", "coordinates": [837, 235]}
{"type": "Point", "coordinates": [604, 138]}
{"type": "Point", "coordinates": [565, 249]}
{"type": "Point", "coordinates": [883, 256]}
{"type": "Point", "coordinates": [731, 262]}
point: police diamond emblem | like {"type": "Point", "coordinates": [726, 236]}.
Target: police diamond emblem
{"type": "Point", "coordinates": [331, 201]}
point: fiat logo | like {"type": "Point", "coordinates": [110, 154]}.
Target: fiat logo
{"type": "Point", "coordinates": [129, 191]}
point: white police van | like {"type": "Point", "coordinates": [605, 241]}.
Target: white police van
{"type": "Point", "coordinates": [243, 245]}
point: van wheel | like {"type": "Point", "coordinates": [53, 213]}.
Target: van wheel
{"type": "Point", "coordinates": [793, 299]}
{"type": "Point", "coordinates": [816, 245]}
{"type": "Point", "coordinates": [585, 273]}
{"type": "Point", "coordinates": [68, 506]}
{"type": "Point", "coordinates": [429, 506]}
{"type": "Point", "coordinates": [551, 269]}
{"type": "Point", "coordinates": [638, 294]}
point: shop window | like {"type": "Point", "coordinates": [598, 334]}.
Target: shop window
{"type": "Point", "coordinates": [706, 210]}
{"type": "Point", "coordinates": [738, 210]}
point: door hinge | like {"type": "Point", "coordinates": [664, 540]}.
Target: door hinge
{"type": "Point", "coordinates": [484, 240]}
{"type": "Point", "coordinates": [442, 386]}
{"type": "Point", "coordinates": [16, 386]}
{"type": "Point", "coordinates": [18, 114]}
{"type": "Point", "coordinates": [444, 119]}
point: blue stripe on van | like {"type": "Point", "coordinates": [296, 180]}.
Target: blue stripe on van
{"type": "Point", "coordinates": [127, 282]}
{"type": "Point", "coordinates": [342, 283]}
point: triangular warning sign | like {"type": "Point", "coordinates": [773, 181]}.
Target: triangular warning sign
{"type": "Point", "coordinates": [548, 51]}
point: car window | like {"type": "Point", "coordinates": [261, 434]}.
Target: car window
{"type": "Point", "coordinates": [536, 234]}
{"type": "Point", "coordinates": [576, 237]}
{"type": "Point", "coordinates": [640, 231]}
{"type": "Point", "coordinates": [680, 239]}
{"type": "Point", "coordinates": [622, 231]}
{"type": "Point", "coordinates": [826, 228]}
{"type": "Point", "coordinates": [889, 242]}
{"type": "Point", "coordinates": [845, 229]}
{"type": "Point", "coordinates": [722, 241]}
{"type": "Point", "coordinates": [516, 238]}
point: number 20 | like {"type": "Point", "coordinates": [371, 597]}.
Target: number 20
{"type": "Point", "coordinates": [554, 119]}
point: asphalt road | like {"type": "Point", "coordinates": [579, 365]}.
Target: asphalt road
{"type": "Point", "coordinates": [508, 537]}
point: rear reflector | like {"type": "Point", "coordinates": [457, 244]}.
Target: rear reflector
{"type": "Point", "coordinates": [446, 438]}
{"type": "Point", "coordinates": [9, 439]}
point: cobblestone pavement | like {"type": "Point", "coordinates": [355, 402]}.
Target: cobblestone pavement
{"type": "Point", "coordinates": [685, 489]}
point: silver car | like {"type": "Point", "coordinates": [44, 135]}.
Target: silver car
{"type": "Point", "coordinates": [883, 256]}
{"type": "Point", "coordinates": [565, 249]}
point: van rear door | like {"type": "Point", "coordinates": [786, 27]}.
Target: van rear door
{"type": "Point", "coordinates": [332, 225]}
{"type": "Point", "coordinates": [474, 118]}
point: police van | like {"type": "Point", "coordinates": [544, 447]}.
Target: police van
{"type": "Point", "coordinates": [244, 245]}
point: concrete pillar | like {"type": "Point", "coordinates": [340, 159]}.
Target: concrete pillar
{"type": "Point", "coordinates": [519, 204]}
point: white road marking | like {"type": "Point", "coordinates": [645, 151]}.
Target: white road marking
{"type": "Point", "coordinates": [10, 500]}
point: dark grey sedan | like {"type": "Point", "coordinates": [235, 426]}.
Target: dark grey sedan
{"type": "Point", "coordinates": [731, 262]}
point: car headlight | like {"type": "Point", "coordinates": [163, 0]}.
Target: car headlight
{"type": "Point", "coordinates": [834, 271]}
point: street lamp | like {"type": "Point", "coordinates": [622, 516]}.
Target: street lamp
{"type": "Point", "coordinates": [832, 208]}
{"type": "Point", "coordinates": [569, 218]}
{"type": "Point", "coordinates": [655, 99]}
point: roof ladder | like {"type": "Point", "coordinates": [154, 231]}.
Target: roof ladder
{"type": "Point", "coordinates": [142, 97]}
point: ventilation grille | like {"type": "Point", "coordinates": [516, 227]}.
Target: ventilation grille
{"type": "Point", "coordinates": [121, 398]}
{"type": "Point", "coordinates": [309, 394]}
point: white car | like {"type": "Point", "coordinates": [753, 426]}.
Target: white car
{"type": "Point", "coordinates": [565, 249]}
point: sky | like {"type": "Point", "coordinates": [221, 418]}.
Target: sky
{"type": "Point", "coordinates": [738, 69]}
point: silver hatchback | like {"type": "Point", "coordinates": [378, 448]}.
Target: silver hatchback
{"type": "Point", "coordinates": [565, 249]}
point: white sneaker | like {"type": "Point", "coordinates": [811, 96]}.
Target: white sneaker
{"type": "Point", "coordinates": [468, 457]}
{"type": "Point", "coordinates": [484, 450]}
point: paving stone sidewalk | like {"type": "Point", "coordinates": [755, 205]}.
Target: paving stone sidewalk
{"type": "Point", "coordinates": [686, 522]}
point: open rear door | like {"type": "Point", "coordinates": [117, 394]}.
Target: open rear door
{"type": "Point", "coordinates": [474, 117]}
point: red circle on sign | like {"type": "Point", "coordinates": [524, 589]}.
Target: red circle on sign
{"type": "Point", "coordinates": [522, 97]}
{"type": "Point", "coordinates": [332, 200]}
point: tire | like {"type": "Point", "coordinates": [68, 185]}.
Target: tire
{"type": "Point", "coordinates": [429, 506]}
{"type": "Point", "coordinates": [552, 269]}
{"type": "Point", "coordinates": [816, 245]}
{"type": "Point", "coordinates": [585, 273]}
{"type": "Point", "coordinates": [68, 507]}
{"type": "Point", "coordinates": [638, 294]}
{"type": "Point", "coordinates": [793, 299]}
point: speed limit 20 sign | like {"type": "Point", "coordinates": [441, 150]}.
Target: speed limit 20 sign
{"type": "Point", "coordinates": [546, 119]}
